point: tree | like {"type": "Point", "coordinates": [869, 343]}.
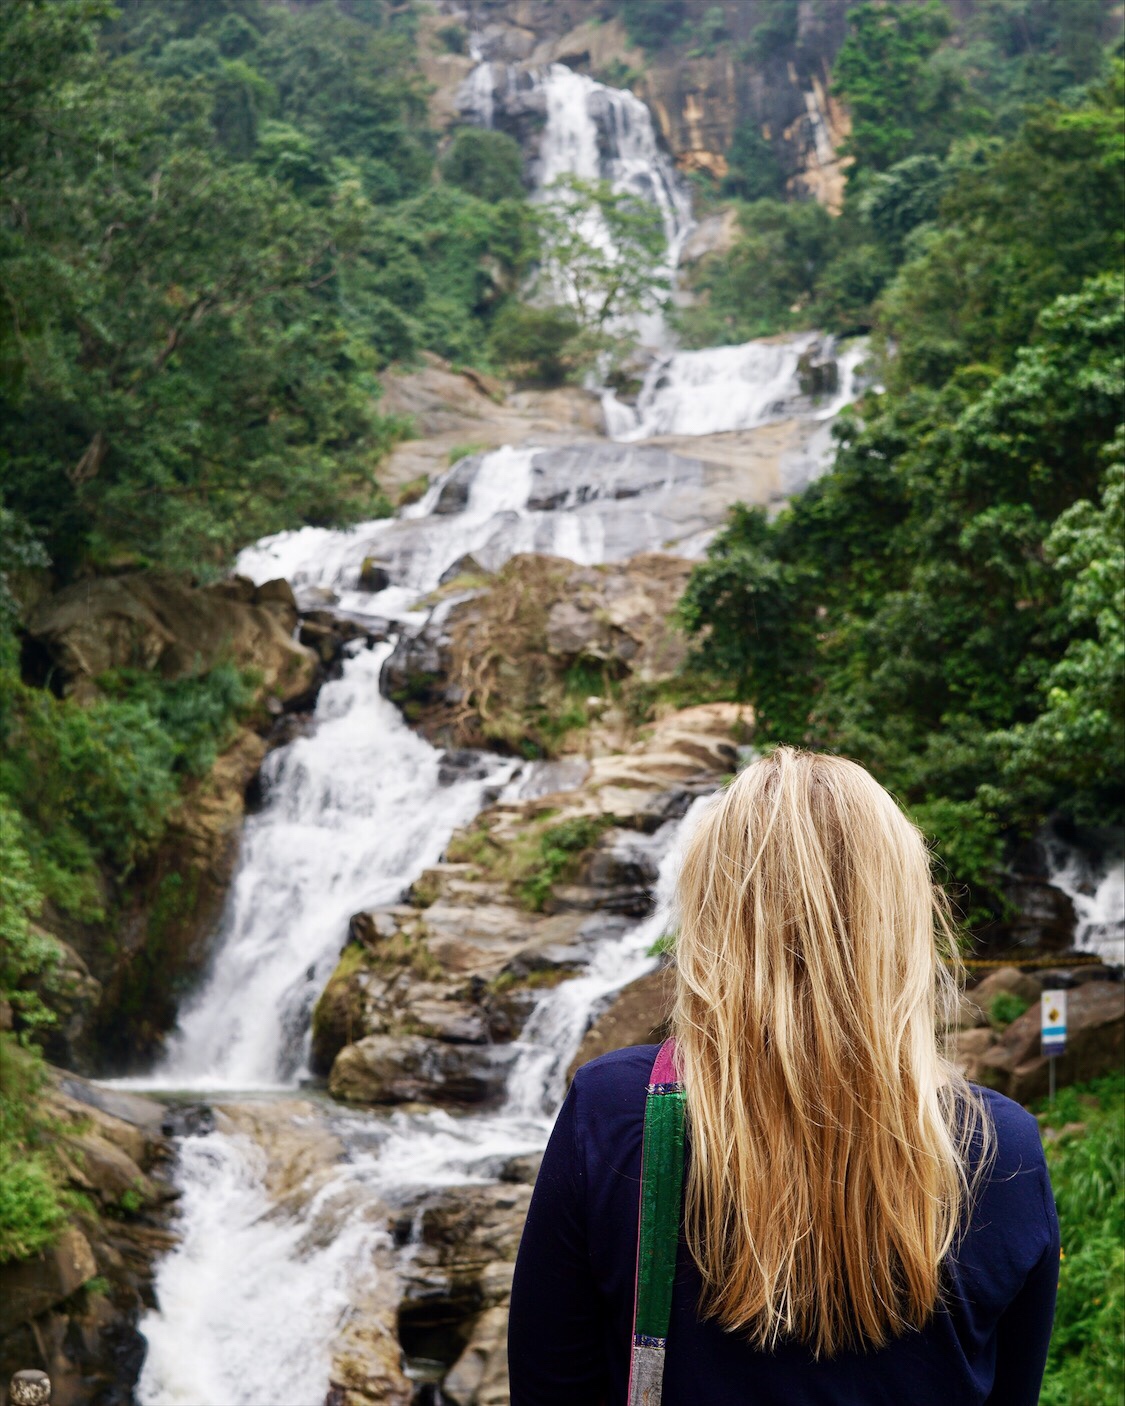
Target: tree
{"type": "Point", "coordinates": [603, 251]}
{"type": "Point", "coordinates": [902, 95]}
{"type": "Point", "coordinates": [487, 164]}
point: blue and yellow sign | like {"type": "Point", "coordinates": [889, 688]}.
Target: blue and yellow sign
{"type": "Point", "coordinates": [1052, 1026]}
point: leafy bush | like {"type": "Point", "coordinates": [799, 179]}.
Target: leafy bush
{"type": "Point", "coordinates": [653, 23]}
{"type": "Point", "coordinates": [92, 786]}
{"type": "Point", "coordinates": [537, 345]}
{"type": "Point", "coordinates": [905, 610]}
{"type": "Point", "coordinates": [31, 1207]}
{"type": "Point", "coordinates": [1005, 1007]}
{"type": "Point", "coordinates": [560, 847]}
{"type": "Point", "coordinates": [487, 164]}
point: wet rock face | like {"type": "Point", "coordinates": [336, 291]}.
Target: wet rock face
{"type": "Point", "coordinates": [386, 1069]}
{"type": "Point", "coordinates": [457, 1284]}
{"type": "Point", "coordinates": [698, 98]}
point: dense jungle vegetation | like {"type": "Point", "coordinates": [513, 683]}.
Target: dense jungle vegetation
{"type": "Point", "coordinates": [949, 600]}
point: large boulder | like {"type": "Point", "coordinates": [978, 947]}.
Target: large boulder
{"type": "Point", "coordinates": [1095, 1044]}
{"type": "Point", "coordinates": [390, 1069]}
{"type": "Point", "coordinates": [163, 624]}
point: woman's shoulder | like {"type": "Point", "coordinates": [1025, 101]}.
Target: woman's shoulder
{"type": "Point", "coordinates": [1017, 1143]}
{"type": "Point", "coordinates": [617, 1071]}
{"type": "Point", "coordinates": [1016, 1194]}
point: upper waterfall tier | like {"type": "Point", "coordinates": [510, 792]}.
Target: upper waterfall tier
{"type": "Point", "coordinates": [591, 131]}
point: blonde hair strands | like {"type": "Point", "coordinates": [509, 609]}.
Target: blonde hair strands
{"type": "Point", "coordinates": [830, 1136]}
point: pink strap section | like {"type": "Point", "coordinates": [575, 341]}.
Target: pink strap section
{"type": "Point", "coordinates": [664, 1069]}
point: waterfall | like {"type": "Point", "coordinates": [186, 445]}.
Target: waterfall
{"type": "Point", "coordinates": [278, 1249]}
{"type": "Point", "coordinates": [1095, 884]}
{"type": "Point", "coordinates": [600, 133]}
{"type": "Point", "coordinates": [722, 389]}
{"type": "Point", "coordinates": [349, 811]}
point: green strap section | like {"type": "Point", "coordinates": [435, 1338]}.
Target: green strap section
{"type": "Point", "coordinates": [662, 1177]}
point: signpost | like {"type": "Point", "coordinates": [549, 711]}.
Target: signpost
{"type": "Point", "coordinates": [1052, 1031]}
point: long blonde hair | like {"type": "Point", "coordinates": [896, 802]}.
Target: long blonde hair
{"type": "Point", "coordinates": [832, 1143]}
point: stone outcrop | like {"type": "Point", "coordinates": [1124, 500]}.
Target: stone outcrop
{"type": "Point", "coordinates": [429, 995]}
{"type": "Point", "coordinates": [162, 624]}
{"type": "Point", "coordinates": [498, 665]}
{"type": "Point", "coordinates": [1095, 1044]}
{"type": "Point", "coordinates": [72, 1311]}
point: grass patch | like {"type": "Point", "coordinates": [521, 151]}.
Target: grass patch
{"type": "Point", "coordinates": [413, 491]}
{"type": "Point", "coordinates": [466, 451]}
{"type": "Point", "coordinates": [1086, 1363]}
{"type": "Point", "coordinates": [534, 861]}
{"type": "Point", "coordinates": [559, 850]}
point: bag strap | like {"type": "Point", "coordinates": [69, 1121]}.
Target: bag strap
{"type": "Point", "coordinates": [658, 1227]}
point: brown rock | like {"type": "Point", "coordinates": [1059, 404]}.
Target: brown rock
{"type": "Point", "coordinates": [1095, 1044]}
{"type": "Point", "coordinates": [159, 622]}
{"type": "Point", "coordinates": [386, 1069]}
{"type": "Point", "coordinates": [637, 1015]}
{"type": "Point", "coordinates": [1009, 979]}
{"type": "Point", "coordinates": [28, 1287]}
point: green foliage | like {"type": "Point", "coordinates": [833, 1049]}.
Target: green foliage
{"type": "Point", "coordinates": [907, 609]}
{"type": "Point", "coordinates": [1085, 1364]}
{"type": "Point", "coordinates": [25, 952]}
{"type": "Point", "coordinates": [601, 279]}
{"type": "Point", "coordinates": [775, 32]}
{"type": "Point", "coordinates": [93, 785]}
{"type": "Point", "coordinates": [560, 848]}
{"type": "Point", "coordinates": [31, 1208]}
{"type": "Point", "coordinates": [219, 223]}
{"type": "Point", "coordinates": [1005, 1007]}
{"type": "Point", "coordinates": [1017, 229]}
{"type": "Point", "coordinates": [900, 98]}
{"type": "Point", "coordinates": [487, 164]}
{"type": "Point", "coordinates": [454, 37]}
{"type": "Point", "coordinates": [754, 172]}
{"type": "Point", "coordinates": [767, 281]}
{"type": "Point", "coordinates": [537, 345]}
{"type": "Point", "coordinates": [974, 155]}
{"type": "Point", "coordinates": [653, 23]}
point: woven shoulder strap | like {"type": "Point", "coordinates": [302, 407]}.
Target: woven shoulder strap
{"type": "Point", "coordinates": [662, 1176]}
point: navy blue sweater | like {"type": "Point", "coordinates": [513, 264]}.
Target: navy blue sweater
{"type": "Point", "coordinates": [572, 1298]}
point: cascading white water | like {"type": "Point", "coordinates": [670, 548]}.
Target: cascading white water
{"type": "Point", "coordinates": [1096, 887]}
{"type": "Point", "coordinates": [599, 133]}
{"type": "Point", "coordinates": [729, 388]}
{"type": "Point", "coordinates": [349, 811]}
{"type": "Point", "coordinates": [252, 1298]}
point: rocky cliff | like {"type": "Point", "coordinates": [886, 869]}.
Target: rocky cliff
{"type": "Point", "coordinates": [714, 78]}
